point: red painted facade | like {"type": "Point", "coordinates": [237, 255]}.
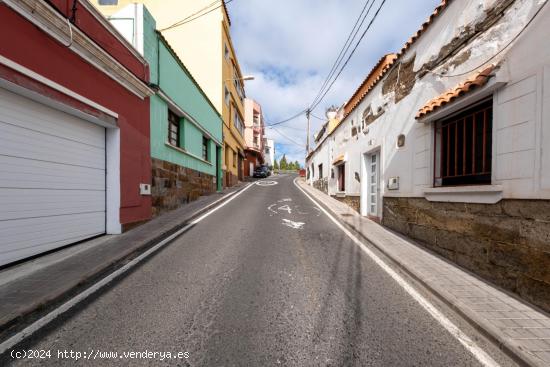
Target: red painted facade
{"type": "Point", "coordinates": [254, 157]}
{"type": "Point", "coordinates": [27, 45]}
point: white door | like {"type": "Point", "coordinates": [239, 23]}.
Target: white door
{"type": "Point", "coordinates": [251, 169]}
{"type": "Point", "coordinates": [52, 178]}
{"type": "Point", "coordinates": [373, 199]}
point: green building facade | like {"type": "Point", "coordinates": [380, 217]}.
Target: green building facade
{"type": "Point", "coordinates": [186, 129]}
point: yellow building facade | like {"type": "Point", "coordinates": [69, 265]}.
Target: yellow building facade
{"type": "Point", "coordinates": [199, 33]}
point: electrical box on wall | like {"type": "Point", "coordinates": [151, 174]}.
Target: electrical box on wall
{"type": "Point", "coordinates": [144, 189]}
{"type": "Point", "coordinates": [393, 183]}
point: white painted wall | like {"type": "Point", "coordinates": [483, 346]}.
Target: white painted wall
{"type": "Point", "coordinates": [521, 123]}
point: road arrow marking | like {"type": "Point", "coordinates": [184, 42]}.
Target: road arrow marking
{"type": "Point", "coordinates": [292, 224]}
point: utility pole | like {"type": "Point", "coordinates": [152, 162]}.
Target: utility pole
{"type": "Point", "coordinates": [308, 112]}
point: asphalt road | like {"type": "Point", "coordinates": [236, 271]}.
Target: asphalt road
{"type": "Point", "coordinates": [244, 287]}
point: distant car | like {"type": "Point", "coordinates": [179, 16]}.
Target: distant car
{"type": "Point", "coordinates": [261, 172]}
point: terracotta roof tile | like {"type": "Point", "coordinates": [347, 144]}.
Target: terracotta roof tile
{"type": "Point", "coordinates": [437, 11]}
{"type": "Point", "coordinates": [370, 81]}
{"type": "Point", "coordinates": [226, 12]}
{"type": "Point", "coordinates": [394, 57]}
{"type": "Point", "coordinates": [479, 79]}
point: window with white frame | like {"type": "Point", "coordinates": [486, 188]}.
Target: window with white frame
{"type": "Point", "coordinates": [173, 129]}
{"type": "Point", "coordinates": [227, 96]}
{"type": "Point", "coordinates": [237, 121]}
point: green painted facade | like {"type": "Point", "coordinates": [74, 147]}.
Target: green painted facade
{"type": "Point", "coordinates": [176, 83]}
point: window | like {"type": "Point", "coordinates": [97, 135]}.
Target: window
{"type": "Point", "coordinates": [342, 177]}
{"type": "Point", "coordinates": [320, 171]}
{"type": "Point", "coordinates": [234, 159]}
{"type": "Point", "coordinates": [227, 96]}
{"type": "Point", "coordinates": [226, 52]}
{"type": "Point", "coordinates": [173, 129]}
{"type": "Point", "coordinates": [463, 147]}
{"type": "Point", "coordinates": [108, 2]}
{"type": "Point", "coordinates": [312, 171]}
{"type": "Point", "coordinates": [365, 117]}
{"type": "Point", "coordinates": [205, 144]}
{"type": "Point", "coordinates": [237, 121]}
{"type": "Point", "coordinates": [239, 87]}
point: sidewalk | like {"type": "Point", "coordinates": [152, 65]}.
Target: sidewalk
{"type": "Point", "coordinates": [31, 289]}
{"type": "Point", "coordinates": [520, 329]}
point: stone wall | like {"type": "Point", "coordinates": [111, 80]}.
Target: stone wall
{"type": "Point", "coordinates": [321, 185]}
{"type": "Point", "coordinates": [229, 179]}
{"type": "Point", "coordinates": [507, 243]}
{"type": "Point", "coordinates": [353, 202]}
{"type": "Point", "coordinates": [174, 185]}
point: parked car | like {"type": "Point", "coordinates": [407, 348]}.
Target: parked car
{"type": "Point", "coordinates": [261, 172]}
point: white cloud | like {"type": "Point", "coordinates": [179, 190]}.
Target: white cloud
{"type": "Point", "coordinates": [290, 46]}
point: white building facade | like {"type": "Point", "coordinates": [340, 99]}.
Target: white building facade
{"type": "Point", "coordinates": [269, 152]}
{"type": "Point", "coordinates": [451, 144]}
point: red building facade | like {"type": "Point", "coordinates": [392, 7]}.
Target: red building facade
{"type": "Point", "coordinates": [65, 73]}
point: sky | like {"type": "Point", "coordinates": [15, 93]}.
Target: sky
{"type": "Point", "coordinates": [289, 46]}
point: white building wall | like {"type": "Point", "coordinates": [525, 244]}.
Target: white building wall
{"type": "Point", "coordinates": [521, 141]}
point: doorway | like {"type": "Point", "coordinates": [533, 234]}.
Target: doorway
{"type": "Point", "coordinates": [372, 170]}
{"type": "Point", "coordinates": [342, 177]}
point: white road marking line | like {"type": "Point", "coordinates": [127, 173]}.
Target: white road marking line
{"type": "Point", "coordinates": [284, 200]}
{"type": "Point", "coordinates": [292, 224]}
{"type": "Point", "coordinates": [43, 321]}
{"type": "Point", "coordinates": [458, 334]}
{"type": "Point", "coordinates": [266, 183]}
{"type": "Point", "coordinates": [285, 208]}
{"type": "Point", "coordinates": [271, 210]}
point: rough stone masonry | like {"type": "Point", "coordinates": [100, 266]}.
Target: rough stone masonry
{"type": "Point", "coordinates": [507, 243]}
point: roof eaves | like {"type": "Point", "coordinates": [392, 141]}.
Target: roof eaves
{"type": "Point", "coordinates": [477, 80]}
{"type": "Point", "coordinates": [226, 12]}
{"type": "Point", "coordinates": [390, 58]}
{"type": "Point", "coordinates": [424, 27]}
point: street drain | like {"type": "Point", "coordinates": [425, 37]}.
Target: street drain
{"type": "Point", "coordinates": [346, 215]}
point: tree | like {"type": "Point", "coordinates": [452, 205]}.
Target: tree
{"type": "Point", "coordinates": [276, 165]}
{"type": "Point", "coordinates": [283, 164]}
{"type": "Point", "coordinates": [297, 165]}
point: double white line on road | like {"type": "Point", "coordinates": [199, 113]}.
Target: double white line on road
{"type": "Point", "coordinates": [458, 334]}
{"type": "Point", "coordinates": [38, 324]}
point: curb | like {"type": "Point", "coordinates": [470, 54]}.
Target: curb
{"type": "Point", "coordinates": [494, 335]}
{"type": "Point", "coordinates": [36, 310]}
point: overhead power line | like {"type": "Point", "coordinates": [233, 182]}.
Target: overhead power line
{"type": "Point", "coordinates": [496, 54]}
{"type": "Point", "coordinates": [287, 119]}
{"type": "Point", "coordinates": [317, 117]}
{"type": "Point", "coordinates": [197, 14]}
{"type": "Point", "coordinates": [301, 145]}
{"type": "Point", "coordinates": [312, 107]}
{"type": "Point", "coordinates": [351, 37]}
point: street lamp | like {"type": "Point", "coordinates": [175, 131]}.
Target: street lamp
{"type": "Point", "coordinates": [247, 77]}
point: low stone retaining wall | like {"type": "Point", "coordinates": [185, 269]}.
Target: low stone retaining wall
{"type": "Point", "coordinates": [507, 243]}
{"type": "Point", "coordinates": [230, 179]}
{"type": "Point", "coordinates": [321, 185]}
{"type": "Point", "coordinates": [174, 185]}
{"type": "Point", "coordinates": [353, 202]}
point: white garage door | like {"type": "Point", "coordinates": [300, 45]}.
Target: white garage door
{"type": "Point", "coordinates": [52, 178]}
